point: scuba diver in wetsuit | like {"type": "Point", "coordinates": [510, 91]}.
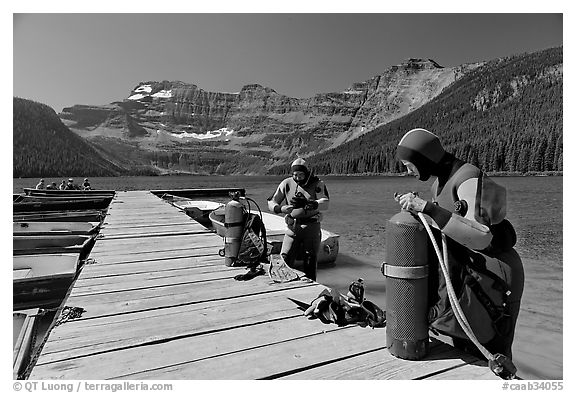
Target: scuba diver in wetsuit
{"type": "Point", "coordinates": [470, 209]}
{"type": "Point", "coordinates": [305, 196]}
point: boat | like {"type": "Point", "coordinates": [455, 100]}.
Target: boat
{"type": "Point", "coordinates": [51, 205]}
{"type": "Point", "coordinates": [197, 210]}
{"type": "Point", "coordinates": [16, 197]}
{"type": "Point", "coordinates": [52, 244]}
{"type": "Point", "coordinates": [24, 328]}
{"type": "Point", "coordinates": [200, 192]}
{"type": "Point", "coordinates": [42, 280]}
{"type": "Point", "coordinates": [93, 215]}
{"type": "Point", "coordinates": [275, 230]}
{"type": "Point", "coordinates": [60, 198]}
{"type": "Point", "coordinates": [53, 228]}
{"type": "Point", "coordinates": [93, 193]}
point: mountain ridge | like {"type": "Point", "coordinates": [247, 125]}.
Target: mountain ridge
{"type": "Point", "coordinates": [503, 117]}
{"type": "Point", "coordinates": [256, 126]}
{"type": "Point", "coordinates": [177, 127]}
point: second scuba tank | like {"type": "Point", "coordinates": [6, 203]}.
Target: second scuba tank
{"type": "Point", "coordinates": [234, 225]}
{"type": "Point", "coordinates": [406, 275]}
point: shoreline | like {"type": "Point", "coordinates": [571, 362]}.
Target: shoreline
{"type": "Point", "coordinates": [367, 174]}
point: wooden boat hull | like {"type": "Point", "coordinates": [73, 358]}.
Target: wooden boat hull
{"type": "Point", "coordinates": [69, 215]}
{"type": "Point", "coordinates": [92, 193]}
{"type": "Point", "coordinates": [54, 228]}
{"type": "Point", "coordinates": [31, 206]}
{"type": "Point", "coordinates": [42, 280]}
{"type": "Point", "coordinates": [61, 198]}
{"type": "Point", "coordinates": [24, 328]}
{"type": "Point", "coordinates": [46, 244]}
{"type": "Point", "coordinates": [275, 230]}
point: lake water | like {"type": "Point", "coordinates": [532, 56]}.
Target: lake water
{"type": "Point", "coordinates": [359, 210]}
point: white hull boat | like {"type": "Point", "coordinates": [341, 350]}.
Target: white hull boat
{"type": "Point", "coordinates": [275, 230]}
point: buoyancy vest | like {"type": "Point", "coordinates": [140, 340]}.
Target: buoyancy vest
{"type": "Point", "coordinates": [481, 282]}
{"type": "Point", "coordinates": [490, 204]}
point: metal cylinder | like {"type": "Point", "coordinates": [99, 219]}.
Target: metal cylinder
{"type": "Point", "coordinates": [406, 276]}
{"type": "Point", "coordinates": [234, 225]}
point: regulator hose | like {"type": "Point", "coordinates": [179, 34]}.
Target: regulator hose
{"type": "Point", "coordinates": [501, 365]}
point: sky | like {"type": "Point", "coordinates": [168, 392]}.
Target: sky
{"type": "Point", "coordinates": [64, 59]}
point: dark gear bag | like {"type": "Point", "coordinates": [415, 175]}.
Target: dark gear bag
{"type": "Point", "coordinates": [253, 247]}
{"type": "Point", "coordinates": [480, 285]}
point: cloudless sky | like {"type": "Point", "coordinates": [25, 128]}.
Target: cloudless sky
{"type": "Point", "coordinates": [67, 59]}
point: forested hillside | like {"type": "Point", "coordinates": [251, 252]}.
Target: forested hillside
{"type": "Point", "coordinates": [504, 116]}
{"type": "Point", "coordinates": [43, 146]}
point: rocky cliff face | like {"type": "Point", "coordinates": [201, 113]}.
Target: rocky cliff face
{"type": "Point", "coordinates": [256, 123]}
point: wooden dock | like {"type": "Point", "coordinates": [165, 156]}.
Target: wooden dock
{"type": "Point", "coordinates": [159, 303]}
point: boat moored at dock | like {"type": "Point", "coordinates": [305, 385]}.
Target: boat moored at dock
{"type": "Point", "coordinates": [92, 215]}
{"type": "Point", "coordinates": [275, 230]}
{"type": "Point", "coordinates": [24, 328]}
{"type": "Point", "coordinates": [59, 205]}
{"type": "Point", "coordinates": [42, 280]}
{"type": "Point", "coordinates": [53, 228]}
{"type": "Point", "coordinates": [91, 193]}
{"type": "Point", "coordinates": [50, 244]}
{"type": "Point", "coordinates": [198, 210]}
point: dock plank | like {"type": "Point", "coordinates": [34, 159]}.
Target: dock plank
{"type": "Point", "coordinates": [117, 302]}
{"type": "Point", "coordinates": [103, 257]}
{"type": "Point", "coordinates": [84, 337]}
{"type": "Point", "coordinates": [159, 303]}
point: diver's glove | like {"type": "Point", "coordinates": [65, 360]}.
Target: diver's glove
{"type": "Point", "coordinates": [298, 201]}
{"type": "Point", "coordinates": [286, 209]}
{"type": "Point", "coordinates": [311, 205]}
{"type": "Point", "coordinates": [412, 202]}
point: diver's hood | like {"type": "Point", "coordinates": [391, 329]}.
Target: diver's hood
{"type": "Point", "coordinates": [423, 149]}
{"type": "Point", "coordinates": [300, 165]}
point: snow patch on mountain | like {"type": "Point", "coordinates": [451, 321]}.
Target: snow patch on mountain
{"type": "Point", "coordinates": [138, 96]}
{"type": "Point", "coordinates": [143, 88]}
{"type": "Point", "coordinates": [208, 135]}
{"type": "Point", "coordinates": [163, 94]}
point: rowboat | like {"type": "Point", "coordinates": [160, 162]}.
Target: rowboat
{"type": "Point", "coordinates": [50, 205]}
{"type": "Point", "coordinates": [200, 192]}
{"type": "Point", "coordinates": [24, 328]}
{"type": "Point", "coordinates": [92, 193]}
{"type": "Point", "coordinates": [197, 210]}
{"type": "Point", "coordinates": [42, 280]}
{"type": "Point", "coordinates": [60, 198]}
{"type": "Point", "coordinates": [275, 230]}
{"type": "Point", "coordinates": [52, 244]}
{"type": "Point", "coordinates": [94, 215]}
{"type": "Point", "coordinates": [54, 228]}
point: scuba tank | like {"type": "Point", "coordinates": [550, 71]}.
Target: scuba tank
{"type": "Point", "coordinates": [406, 277]}
{"type": "Point", "coordinates": [234, 226]}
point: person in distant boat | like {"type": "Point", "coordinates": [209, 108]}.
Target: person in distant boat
{"type": "Point", "coordinates": [62, 185]}
{"type": "Point", "coordinates": [52, 186]}
{"type": "Point", "coordinates": [469, 208]}
{"type": "Point", "coordinates": [41, 185]}
{"type": "Point", "coordinates": [86, 185]}
{"type": "Point", "coordinates": [301, 198]}
{"type": "Point", "coordinates": [71, 186]}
